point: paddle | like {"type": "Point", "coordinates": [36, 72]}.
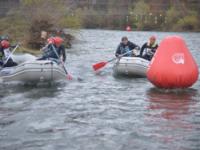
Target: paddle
{"type": "Point", "coordinates": [69, 77]}
{"type": "Point", "coordinates": [11, 54]}
{"type": "Point", "coordinates": [100, 65]}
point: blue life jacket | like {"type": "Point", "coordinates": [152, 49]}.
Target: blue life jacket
{"type": "Point", "coordinates": [122, 49]}
{"type": "Point", "coordinates": [49, 52]}
{"type": "Point", "coordinates": [125, 50]}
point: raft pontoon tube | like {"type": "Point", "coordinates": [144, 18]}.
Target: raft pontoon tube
{"type": "Point", "coordinates": [131, 66]}
{"type": "Point", "coordinates": [33, 71]}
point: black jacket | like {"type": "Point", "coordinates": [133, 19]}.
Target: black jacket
{"type": "Point", "coordinates": [49, 52]}
{"type": "Point", "coordinates": [121, 49]}
{"type": "Point", "coordinates": [146, 46]}
{"type": "Point", "coordinates": [9, 63]}
{"type": "Point", "coordinates": [1, 56]}
{"type": "Point", "coordinates": [61, 52]}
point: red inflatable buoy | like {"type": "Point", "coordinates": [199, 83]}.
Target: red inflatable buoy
{"type": "Point", "coordinates": [128, 28]}
{"type": "Point", "coordinates": [173, 65]}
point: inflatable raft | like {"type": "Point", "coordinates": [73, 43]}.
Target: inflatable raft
{"type": "Point", "coordinates": [33, 71]}
{"type": "Point", "coordinates": [21, 58]}
{"type": "Point", "coordinates": [131, 66]}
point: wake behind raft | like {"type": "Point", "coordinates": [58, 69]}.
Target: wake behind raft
{"type": "Point", "coordinates": [173, 65]}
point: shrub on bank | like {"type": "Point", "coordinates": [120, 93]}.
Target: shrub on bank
{"type": "Point", "coordinates": [188, 23]}
{"type": "Point", "coordinates": [26, 23]}
{"type": "Point", "coordinates": [14, 26]}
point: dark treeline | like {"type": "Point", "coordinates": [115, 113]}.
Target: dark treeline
{"type": "Point", "coordinates": [165, 15]}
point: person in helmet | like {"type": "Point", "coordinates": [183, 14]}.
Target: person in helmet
{"type": "Point", "coordinates": [5, 59]}
{"type": "Point", "coordinates": [149, 48]}
{"type": "Point", "coordinates": [54, 49]}
{"type": "Point", "coordinates": [126, 47]}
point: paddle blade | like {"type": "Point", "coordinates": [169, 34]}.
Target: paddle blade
{"type": "Point", "coordinates": [69, 77]}
{"type": "Point", "coordinates": [99, 65]}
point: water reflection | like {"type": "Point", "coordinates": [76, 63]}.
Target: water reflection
{"type": "Point", "coordinates": [171, 112]}
{"type": "Point", "coordinates": [32, 91]}
{"type": "Point", "coordinates": [172, 104]}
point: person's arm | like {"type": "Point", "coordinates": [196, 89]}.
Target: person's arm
{"type": "Point", "coordinates": [1, 56]}
{"type": "Point", "coordinates": [48, 48]}
{"type": "Point", "coordinates": [118, 52]}
{"type": "Point", "coordinates": [62, 53]}
{"type": "Point", "coordinates": [142, 49]}
{"type": "Point", "coordinates": [133, 46]}
{"type": "Point", "coordinates": [6, 52]}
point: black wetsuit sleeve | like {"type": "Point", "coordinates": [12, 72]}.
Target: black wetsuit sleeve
{"type": "Point", "coordinates": [142, 49]}
{"type": "Point", "coordinates": [64, 55]}
{"type": "Point", "coordinates": [62, 52]}
{"type": "Point", "coordinates": [1, 55]}
{"type": "Point", "coordinates": [118, 52]}
{"type": "Point", "coordinates": [1, 49]}
{"type": "Point", "coordinates": [133, 46]}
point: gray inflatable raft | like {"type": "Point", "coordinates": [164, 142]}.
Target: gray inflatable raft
{"type": "Point", "coordinates": [131, 66]}
{"type": "Point", "coordinates": [33, 71]}
{"type": "Point", "coordinates": [21, 58]}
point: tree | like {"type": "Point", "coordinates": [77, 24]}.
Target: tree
{"type": "Point", "coordinates": [45, 15]}
{"type": "Point", "coordinates": [139, 13]}
{"type": "Point", "coordinates": [179, 21]}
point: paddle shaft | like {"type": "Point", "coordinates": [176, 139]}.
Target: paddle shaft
{"type": "Point", "coordinates": [119, 56]}
{"type": "Point", "coordinates": [104, 63]}
{"type": "Point", "coordinates": [11, 54]}
{"type": "Point", "coordinates": [63, 65]}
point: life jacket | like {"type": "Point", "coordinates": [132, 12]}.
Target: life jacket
{"type": "Point", "coordinates": [5, 54]}
{"type": "Point", "coordinates": [49, 52]}
{"type": "Point", "coordinates": [150, 49]}
{"type": "Point", "coordinates": [124, 49]}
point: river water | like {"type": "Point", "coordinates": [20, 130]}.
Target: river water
{"type": "Point", "coordinates": [101, 112]}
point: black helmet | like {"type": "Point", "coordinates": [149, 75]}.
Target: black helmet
{"type": "Point", "coordinates": [124, 38]}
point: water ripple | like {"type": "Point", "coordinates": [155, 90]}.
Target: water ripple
{"type": "Point", "coordinates": [101, 111]}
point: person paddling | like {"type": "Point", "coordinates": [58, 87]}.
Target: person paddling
{"type": "Point", "coordinates": [55, 51]}
{"type": "Point", "coordinates": [126, 47]}
{"type": "Point", "coordinates": [49, 53]}
{"type": "Point", "coordinates": [5, 59]}
{"type": "Point", "coordinates": [149, 48]}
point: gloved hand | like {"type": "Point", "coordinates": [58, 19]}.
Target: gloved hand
{"type": "Point", "coordinates": [136, 51]}
{"type": "Point", "coordinates": [149, 52]}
